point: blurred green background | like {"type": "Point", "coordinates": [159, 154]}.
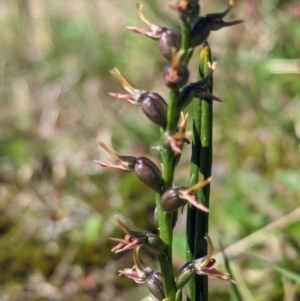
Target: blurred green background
{"type": "Point", "coordinates": [57, 205]}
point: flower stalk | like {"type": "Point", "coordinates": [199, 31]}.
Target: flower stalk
{"type": "Point", "coordinates": [177, 48]}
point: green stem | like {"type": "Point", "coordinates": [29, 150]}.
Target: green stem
{"type": "Point", "coordinates": [172, 115]}
{"type": "Point", "coordinates": [165, 218]}
{"type": "Point", "coordinates": [197, 222]}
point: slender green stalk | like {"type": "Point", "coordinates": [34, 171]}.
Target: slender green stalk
{"type": "Point", "coordinates": [201, 161]}
{"type": "Point", "coordinates": [165, 218]}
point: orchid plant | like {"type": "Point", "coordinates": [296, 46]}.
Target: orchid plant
{"type": "Point", "coordinates": [176, 48]}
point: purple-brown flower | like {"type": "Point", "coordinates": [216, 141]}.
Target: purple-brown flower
{"type": "Point", "coordinates": [134, 239]}
{"type": "Point", "coordinates": [141, 273]}
{"type": "Point", "coordinates": [144, 168]}
{"type": "Point", "coordinates": [167, 38]}
{"type": "Point", "coordinates": [205, 265]}
{"type": "Point", "coordinates": [176, 197]}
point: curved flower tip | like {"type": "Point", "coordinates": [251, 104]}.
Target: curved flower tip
{"type": "Point", "coordinates": [199, 185]}
{"type": "Point", "coordinates": [131, 240]}
{"type": "Point", "coordinates": [134, 93]}
{"type": "Point", "coordinates": [205, 265]}
{"type": "Point", "coordinates": [122, 80]}
{"type": "Point", "coordinates": [192, 199]}
{"type": "Point", "coordinates": [154, 31]}
{"type": "Point", "coordinates": [125, 163]}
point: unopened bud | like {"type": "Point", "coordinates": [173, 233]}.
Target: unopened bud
{"type": "Point", "coordinates": [155, 108]}
{"type": "Point", "coordinates": [188, 10]}
{"type": "Point", "coordinates": [155, 285]}
{"type": "Point", "coordinates": [148, 173]}
{"type": "Point", "coordinates": [169, 39]}
{"type": "Point", "coordinates": [185, 275]}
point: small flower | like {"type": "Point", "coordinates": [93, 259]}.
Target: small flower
{"type": "Point", "coordinates": [134, 95]}
{"type": "Point", "coordinates": [203, 25]}
{"type": "Point", "coordinates": [205, 265]}
{"type": "Point", "coordinates": [144, 168]}
{"type": "Point", "coordinates": [176, 197]}
{"type": "Point", "coordinates": [177, 140]}
{"type": "Point", "coordinates": [185, 274]}
{"type": "Point", "coordinates": [152, 104]}
{"type": "Point", "coordinates": [167, 38]}
{"type": "Point", "coordinates": [188, 10]}
{"type": "Point", "coordinates": [153, 31]}
{"type": "Point", "coordinates": [197, 89]}
{"type": "Point", "coordinates": [134, 239]}
{"type": "Point", "coordinates": [141, 273]}
{"type": "Point", "coordinates": [133, 274]}
{"type": "Point", "coordinates": [175, 75]}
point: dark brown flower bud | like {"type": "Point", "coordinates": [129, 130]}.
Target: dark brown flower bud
{"type": "Point", "coordinates": [152, 104]}
{"type": "Point", "coordinates": [144, 168]}
{"type": "Point", "coordinates": [188, 10]}
{"type": "Point", "coordinates": [176, 197]}
{"type": "Point", "coordinates": [148, 173]}
{"type": "Point", "coordinates": [200, 31]}
{"type": "Point", "coordinates": [175, 75]}
{"type": "Point", "coordinates": [155, 285]}
{"type": "Point", "coordinates": [185, 274]}
{"type": "Point", "coordinates": [155, 108]}
{"type": "Point", "coordinates": [203, 25]}
{"type": "Point", "coordinates": [169, 39]}
{"type": "Point", "coordinates": [170, 200]}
